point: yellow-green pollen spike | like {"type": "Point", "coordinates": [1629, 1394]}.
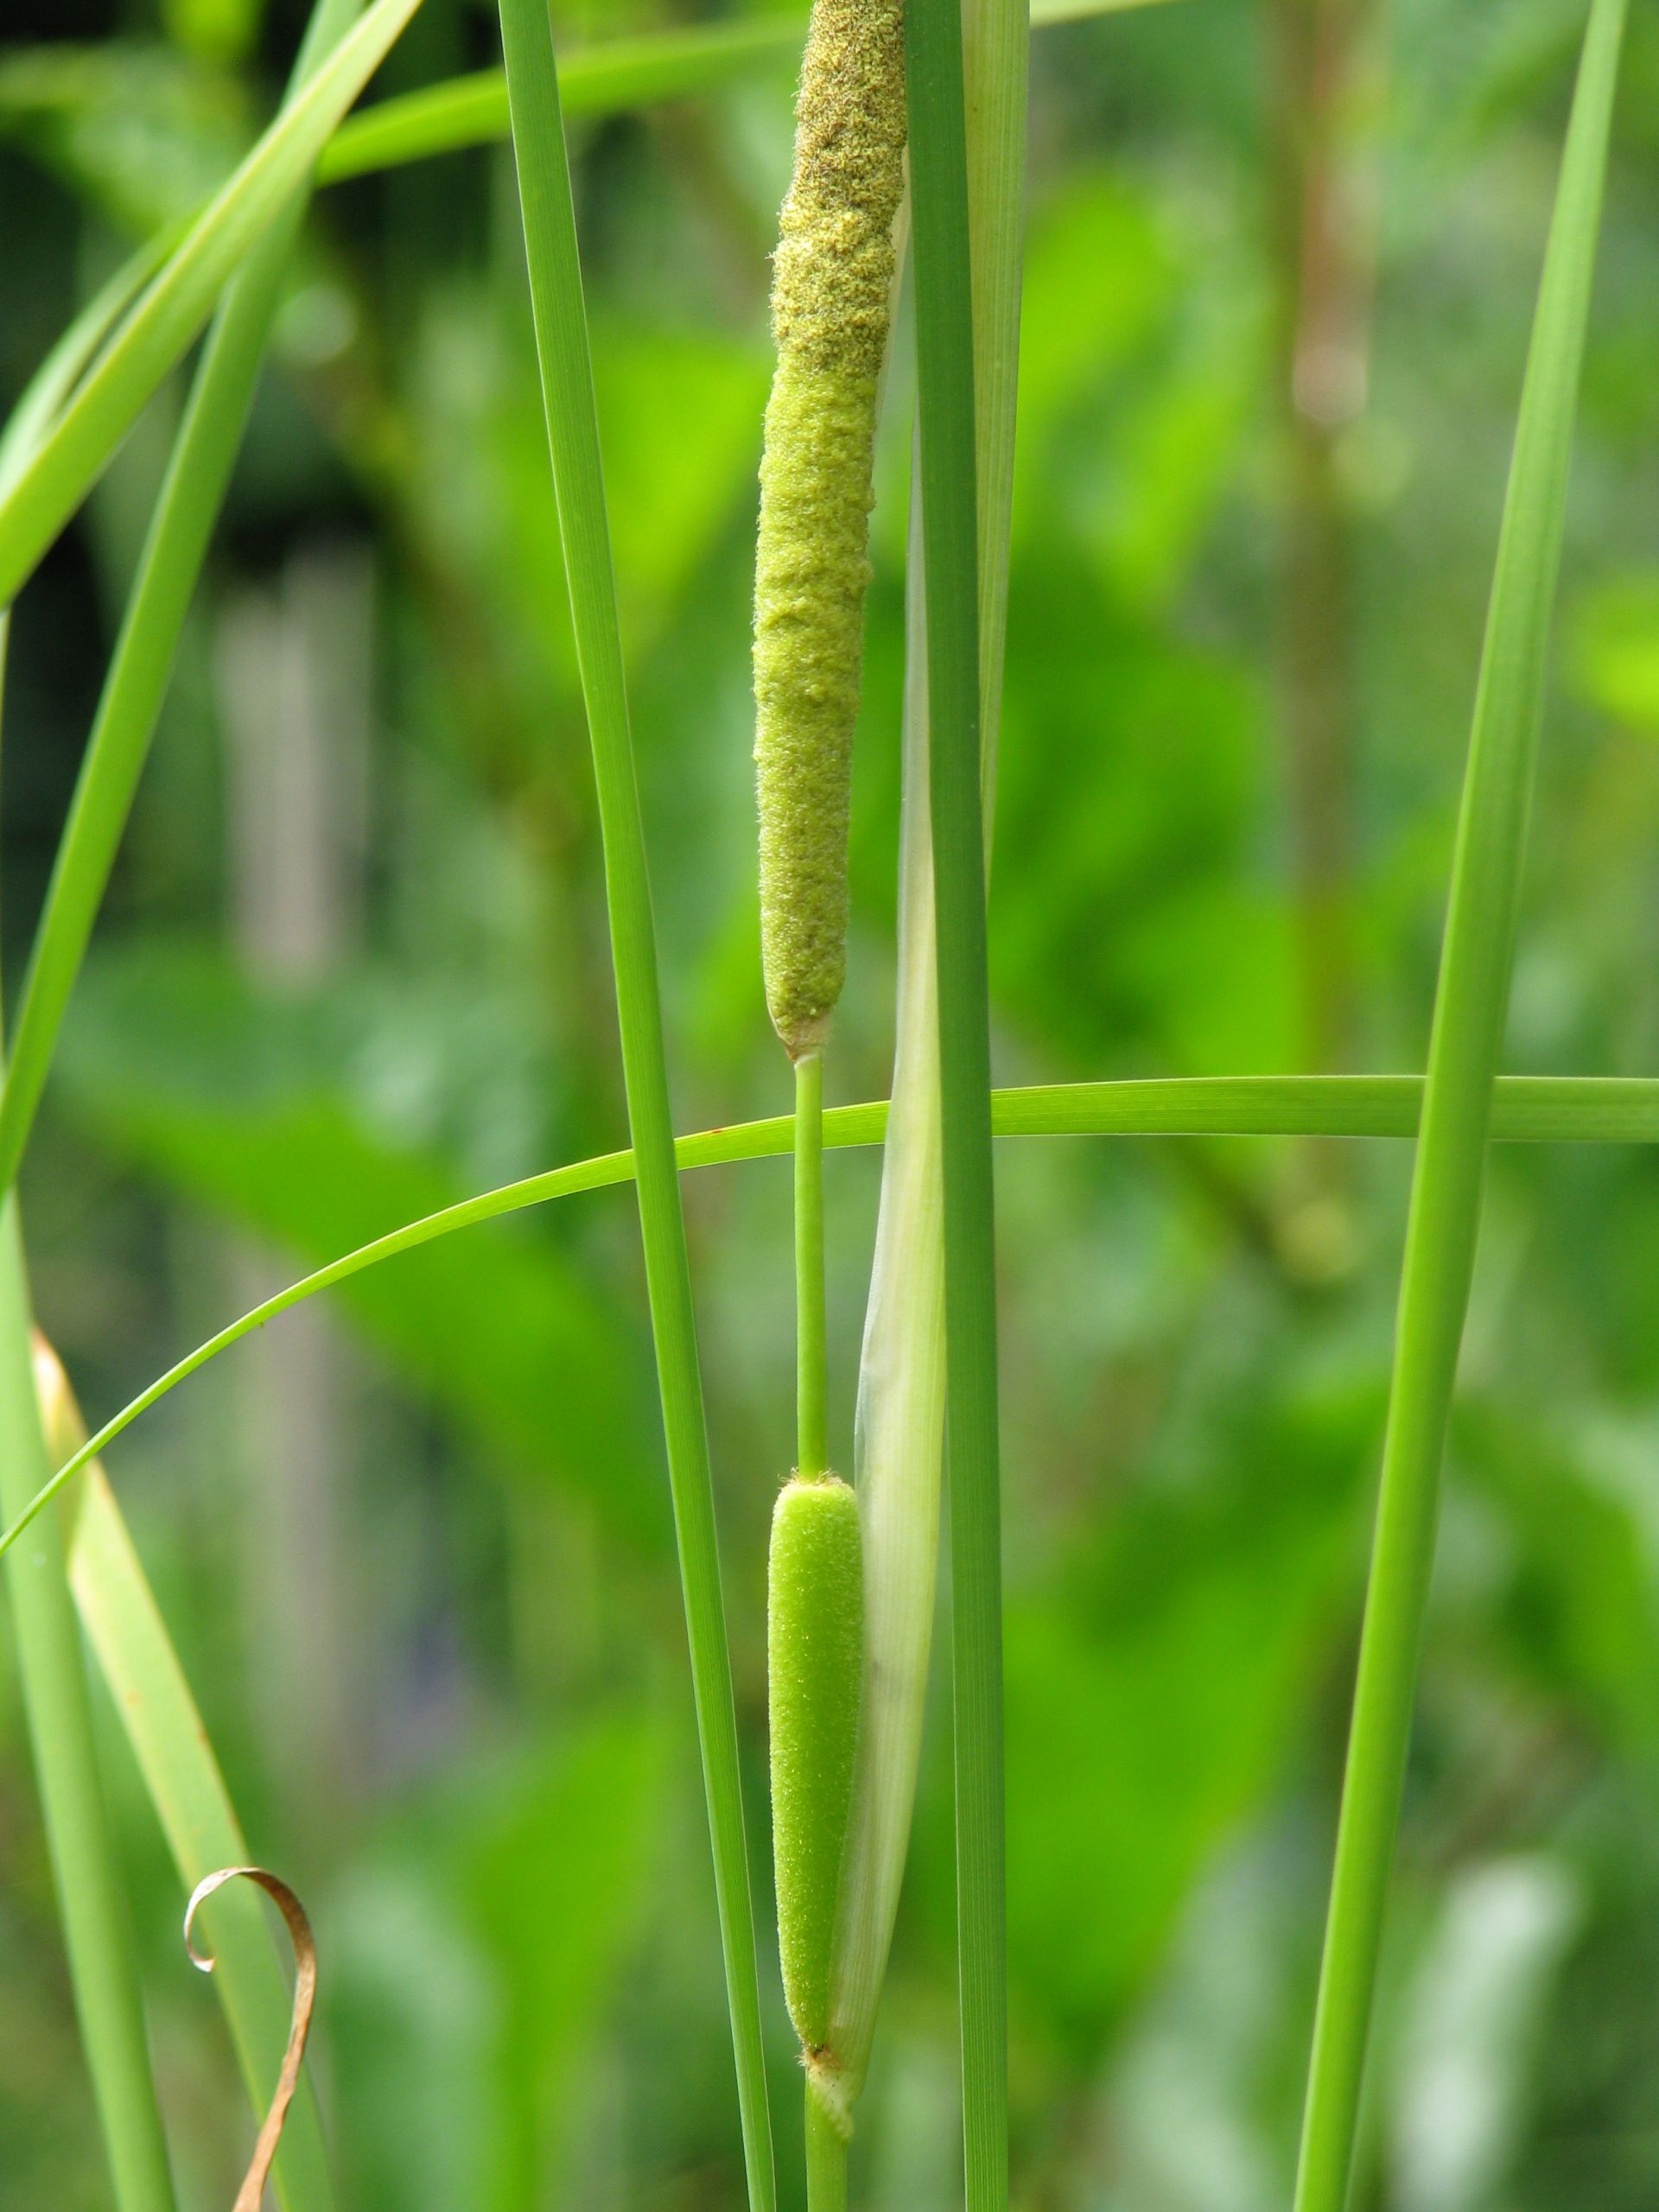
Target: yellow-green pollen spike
{"type": "Point", "coordinates": [815, 1641]}
{"type": "Point", "coordinates": [831, 283]}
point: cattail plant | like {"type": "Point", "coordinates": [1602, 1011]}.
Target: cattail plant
{"type": "Point", "coordinates": [833, 280]}
{"type": "Point", "coordinates": [850, 1584]}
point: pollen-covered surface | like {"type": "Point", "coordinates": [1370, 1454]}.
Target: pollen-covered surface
{"type": "Point", "coordinates": [831, 281]}
{"type": "Point", "coordinates": [815, 1632]}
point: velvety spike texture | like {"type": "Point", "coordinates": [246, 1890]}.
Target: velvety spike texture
{"type": "Point", "coordinates": [815, 1632]}
{"type": "Point", "coordinates": [831, 283]}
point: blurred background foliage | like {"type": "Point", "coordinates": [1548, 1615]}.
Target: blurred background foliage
{"type": "Point", "coordinates": [414, 1547]}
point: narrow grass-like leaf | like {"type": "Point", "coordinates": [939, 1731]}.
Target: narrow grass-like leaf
{"type": "Point", "coordinates": [151, 1695]}
{"type": "Point", "coordinates": [87, 1877]}
{"type": "Point", "coordinates": [996, 44]}
{"type": "Point", "coordinates": [1469, 1009]}
{"type": "Point", "coordinates": [44, 395]}
{"type": "Point", "coordinates": [192, 491]}
{"type": "Point", "coordinates": [944, 360]}
{"type": "Point", "coordinates": [573, 436]}
{"type": "Point", "coordinates": [103, 1970]}
{"type": "Point", "coordinates": [622, 74]}
{"type": "Point", "coordinates": [157, 332]}
{"type": "Point", "coordinates": [901, 1384]}
{"type": "Point", "coordinates": [1528, 1109]}
{"type": "Point", "coordinates": [152, 1702]}
{"type": "Point", "coordinates": [615, 77]}
{"type": "Point", "coordinates": [1043, 12]}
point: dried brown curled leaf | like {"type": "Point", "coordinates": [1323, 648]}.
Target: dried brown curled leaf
{"type": "Point", "coordinates": [252, 2193]}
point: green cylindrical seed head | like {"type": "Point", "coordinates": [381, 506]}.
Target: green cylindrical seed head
{"type": "Point", "coordinates": [829, 302]}
{"type": "Point", "coordinates": [815, 1640]}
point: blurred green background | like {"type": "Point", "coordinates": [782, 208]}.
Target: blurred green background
{"type": "Point", "coordinates": [415, 1547]}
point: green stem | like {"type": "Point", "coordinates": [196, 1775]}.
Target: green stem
{"type": "Point", "coordinates": [826, 2159]}
{"type": "Point", "coordinates": [950, 526]}
{"type": "Point", "coordinates": [811, 1353]}
{"type": "Point", "coordinates": [573, 436]}
{"type": "Point", "coordinates": [1470, 1007]}
{"type": "Point", "coordinates": [54, 1676]}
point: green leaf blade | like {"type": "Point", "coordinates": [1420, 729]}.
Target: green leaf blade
{"type": "Point", "coordinates": [161, 327]}
{"type": "Point", "coordinates": [608, 79]}
{"type": "Point", "coordinates": [559, 317]}
{"type": "Point", "coordinates": [944, 327]}
{"type": "Point", "coordinates": [86, 1873]}
{"type": "Point", "coordinates": [169, 568]}
{"type": "Point", "coordinates": [1471, 1005]}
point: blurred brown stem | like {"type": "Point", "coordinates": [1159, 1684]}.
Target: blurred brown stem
{"type": "Point", "coordinates": [1324, 264]}
{"type": "Point", "coordinates": [296, 693]}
